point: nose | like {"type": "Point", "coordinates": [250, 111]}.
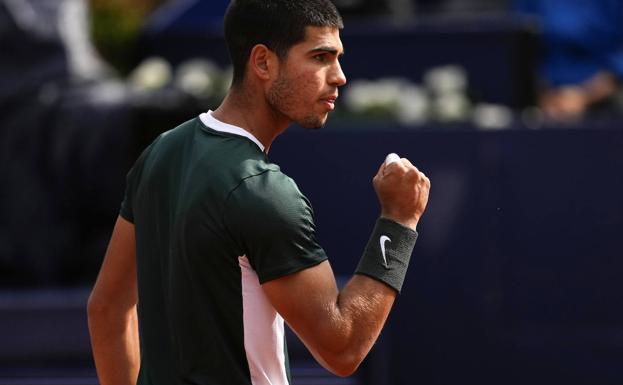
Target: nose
{"type": "Point", "coordinates": [337, 77]}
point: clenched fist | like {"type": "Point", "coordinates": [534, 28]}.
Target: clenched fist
{"type": "Point", "coordinates": [402, 191]}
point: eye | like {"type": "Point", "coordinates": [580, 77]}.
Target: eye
{"type": "Point", "coordinates": [322, 58]}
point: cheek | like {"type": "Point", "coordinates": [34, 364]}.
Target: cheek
{"type": "Point", "coordinates": [295, 93]}
{"type": "Point", "coordinates": [312, 82]}
{"type": "Point", "coordinates": [307, 88]}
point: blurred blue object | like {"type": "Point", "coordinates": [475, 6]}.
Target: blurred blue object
{"type": "Point", "coordinates": [581, 38]}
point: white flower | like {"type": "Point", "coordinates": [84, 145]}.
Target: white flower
{"type": "Point", "coordinates": [451, 107]}
{"type": "Point", "coordinates": [492, 116]}
{"type": "Point", "coordinates": [153, 73]}
{"type": "Point", "coordinates": [445, 79]}
{"type": "Point", "coordinates": [198, 77]}
{"type": "Point", "coordinates": [413, 105]}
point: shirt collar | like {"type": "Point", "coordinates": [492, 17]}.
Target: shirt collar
{"type": "Point", "coordinates": [217, 125]}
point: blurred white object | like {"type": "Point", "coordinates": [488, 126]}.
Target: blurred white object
{"type": "Point", "coordinates": [449, 78]}
{"type": "Point", "coordinates": [447, 86]}
{"type": "Point", "coordinates": [413, 105]}
{"type": "Point", "coordinates": [359, 95]}
{"type": "Point", "coordinates": [153, 73]}
{"type": "Point", "coordinates": [387, 91]}
{"type": "Point", "coordinates": [492, 116]}
{"type": "Point", "coordinates": [451, 107]}
{"type": "Point", "coordinates": [401, 99]}
{"type": "Point", "coordinates": [198, 77]}
{"type": "Point", "coordinates": [84, 61]}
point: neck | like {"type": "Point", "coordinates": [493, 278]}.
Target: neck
{"type": "Point", "coordinates": [253, 114]}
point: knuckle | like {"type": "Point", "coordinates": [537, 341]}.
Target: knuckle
{"type": "Point", "coordinates": [413, 173]}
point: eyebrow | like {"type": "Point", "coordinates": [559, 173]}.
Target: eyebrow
{"type": "Point", "coordinates": [327, 49]}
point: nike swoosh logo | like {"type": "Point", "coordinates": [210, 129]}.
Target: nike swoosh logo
{"type": "Point", "coordinates": [384, 238]}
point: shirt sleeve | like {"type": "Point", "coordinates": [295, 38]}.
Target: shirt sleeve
{"type": "Point", "coordinates": [273, 224]}
{"type": "Point", "coordinates": [126, 210]}
{"type": "Point", "coordinates": [132, 181]}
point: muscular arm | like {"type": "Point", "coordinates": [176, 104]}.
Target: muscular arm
{"type": "Point", "coordinates": [112, 311]}
{"type": "Point", "coordinates": [338, 328]}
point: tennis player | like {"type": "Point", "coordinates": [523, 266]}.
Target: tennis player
{"type": "Point", "coordinates": [215, 247]}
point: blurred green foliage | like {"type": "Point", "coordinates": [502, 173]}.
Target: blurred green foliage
{"type": "Point", "coordinates": [115, 27]}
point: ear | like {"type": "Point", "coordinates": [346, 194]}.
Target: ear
{"type": "Point", "coordinates": [263, 62]}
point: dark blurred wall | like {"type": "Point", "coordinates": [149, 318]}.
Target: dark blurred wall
{"type": "Point", "coordinates": [63, 145]}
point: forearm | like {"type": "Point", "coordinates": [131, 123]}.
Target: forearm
{"type": "Point", "coordinates": [339, 328]}
{"type": "Point", "coordinates": [355, 321]}
{"type": "Point", "coordinates": [115, 344]}
{"type": "Point", "coordinates": [361, 309]}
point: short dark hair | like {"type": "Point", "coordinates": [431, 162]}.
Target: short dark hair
{"type": "Point", "coordinates": [278, 24]}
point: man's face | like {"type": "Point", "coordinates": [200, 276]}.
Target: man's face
{"type": "Point", "coordinates": [305, 89]}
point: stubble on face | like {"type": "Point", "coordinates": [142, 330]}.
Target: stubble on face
{"type": "Point", "coordinates": [283, 96]}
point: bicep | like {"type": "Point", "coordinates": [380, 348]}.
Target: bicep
{"type": "Point", "coordinates": [338, 328]}
{"type": "Point", "coordinates": [300, 295]}
{"type": "Point", "coordinates": [307, 300]}
{"type": "Point", "coordinates": [116, 282]}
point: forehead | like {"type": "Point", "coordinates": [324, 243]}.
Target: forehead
{"type": "Point", "coordinates": [321, 37]}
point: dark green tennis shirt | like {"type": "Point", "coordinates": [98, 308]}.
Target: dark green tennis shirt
{"type": "Point", "coordinates": [214, 219]}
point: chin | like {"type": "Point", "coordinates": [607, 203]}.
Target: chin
{"type": "Point", "coordinates": [313, 122]}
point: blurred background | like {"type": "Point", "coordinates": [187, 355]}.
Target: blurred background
{"type": "Point", "coordinates": [511, 107]}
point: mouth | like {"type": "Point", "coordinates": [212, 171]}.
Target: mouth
{"type": "Point", "coordinates": [329, 102]}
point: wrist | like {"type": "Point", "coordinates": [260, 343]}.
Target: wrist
{"type": "Point", "coordinates": [406, 222]}
{"type": "Point", "coordinates": [387, 255]}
